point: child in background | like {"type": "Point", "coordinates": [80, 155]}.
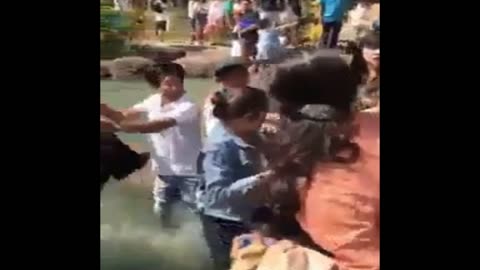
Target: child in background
{"type": "Point", "coordinates": [269, 47]}
{"type": "Point", "coordinates": [247, 20]}
{"type": "Point", "coordinates": [200, 13]}
{"type": "Point", "coordinates": [161, 17]}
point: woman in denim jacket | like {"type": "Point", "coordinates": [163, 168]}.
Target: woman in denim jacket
{"type": "Point", "coordinates": [232, 168]}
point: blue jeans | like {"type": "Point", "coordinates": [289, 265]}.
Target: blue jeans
{"type": "Point", "coordinates": [169, 189]}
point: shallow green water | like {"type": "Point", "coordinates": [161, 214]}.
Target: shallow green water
{"type": "Point", "coordinates": [131, 238]}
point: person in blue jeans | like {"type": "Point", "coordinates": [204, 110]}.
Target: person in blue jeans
{"type": "Point", "coordinates": [332, 21]}
{"type": "Point", "coordinates": [233, 170]}
{"type": "Point", "coordinates": [171, 123]}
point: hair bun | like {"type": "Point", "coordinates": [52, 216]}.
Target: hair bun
{"type": "Point", "coordinates": [220, 103]}
{"type": "Point", "coordinates": [218, 98]}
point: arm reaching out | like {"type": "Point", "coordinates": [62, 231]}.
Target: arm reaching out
{"type": "Point", "coordinates": [119, 116]}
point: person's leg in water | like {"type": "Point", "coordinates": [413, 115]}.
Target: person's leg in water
{"type": "Point", "coordinates": [219, 234]}
{"type": "Point", "coordinates": [165, 194]}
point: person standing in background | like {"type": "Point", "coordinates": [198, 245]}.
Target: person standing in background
{"type": "Point", "coordinates": [191, 19]}
{"type": "Point", "coordinates": [161, 17]}
{"type": "Point", "coordinates": [332, 21]}
{"type": "Point", "coordinates": [271, 9]}
{"type": "Point", "coordinates": [247, 23]}
{"type": "Point", "coordinates": [200, 13]}
{"type": "Point", "coordinates": [215, 20]}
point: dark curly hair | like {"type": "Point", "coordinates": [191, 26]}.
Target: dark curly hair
{"type": "Point", "coordinates": [320, 78]}
{"type": "Point", "coordinates": [316, 93]}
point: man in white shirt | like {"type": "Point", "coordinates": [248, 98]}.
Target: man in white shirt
{"type": "Point", "coordinates": [172, 124]}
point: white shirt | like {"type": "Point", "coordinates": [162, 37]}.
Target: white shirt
{"type": "Point", "coordinates": [210, 121]}
{"type": "Point", "coordinates": [214, 128]}
{"type": "Point", "coordinates": [190, 10]}
{"type": "Point", "coordinates": [164, 16]}
{"type": "Point", "coordinates": [174, 150]}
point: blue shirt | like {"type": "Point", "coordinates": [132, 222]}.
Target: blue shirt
{"type": "Point", "coordinates": [269, 38]}
{"type": "Point", "coordinates": [230, 166]}
{"type": "Point", "coordinates": [333, 10]}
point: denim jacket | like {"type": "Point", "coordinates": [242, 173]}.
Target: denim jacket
{"type": "Point", "coordinates": [230, 166]}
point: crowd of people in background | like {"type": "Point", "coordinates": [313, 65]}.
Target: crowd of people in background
{"type": "Point", "coordinates": [300, 180]}
{"type": "Point", "coordinates": [238, 21]}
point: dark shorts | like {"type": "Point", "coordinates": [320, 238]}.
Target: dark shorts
{"type": "Point", "coordinates": [161, 25]}
{"type": "Point", "coordinates": [250, 40]}
{"type": "Point", "coordinates": [200, 21]}
{"type": "Point", "coordinates": [192, 24]}
{"type": "Point", "coordinates": [330, 34]}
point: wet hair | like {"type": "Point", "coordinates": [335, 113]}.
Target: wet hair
{"type": "Point", "coordinates": [251, 103]}
{"type": "Point", "coordinates": [153, 74]}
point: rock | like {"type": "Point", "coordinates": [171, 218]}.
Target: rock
{"type": "Point", "coordinates": [203, 64]}
{"type": "Point", "coordinates": [105, 69]}
{"type": "Point", "coordinates": [131, 67]}
{"type": "Point", "coordinates": [159, 54]}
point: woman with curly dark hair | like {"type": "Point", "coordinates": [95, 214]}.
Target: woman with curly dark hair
{"type": "Point", "coordinates": [325, 161]}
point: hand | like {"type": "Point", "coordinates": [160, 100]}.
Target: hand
{"type": "Point", "coordinates": [268, 128]}
{"type": "Point", "coordinates": [104, 109]}
{"type": "Point", "coordinates": [264, 175]}
{"type": "Point", "coordinates": [108, 126]}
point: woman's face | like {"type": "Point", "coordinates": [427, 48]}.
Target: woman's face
{"type": "Point", "coordinates": [247, 125]}
{"type": "Point", "coordinates": [372, 56]}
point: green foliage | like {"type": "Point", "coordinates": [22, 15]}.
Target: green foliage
{"type": "Point", "coordinates": [115, 27]}
{"type": "Point", "coordinates": [115, 21]}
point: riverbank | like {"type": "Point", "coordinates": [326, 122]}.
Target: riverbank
{"type": "Point", "coordinates": [198, 61]}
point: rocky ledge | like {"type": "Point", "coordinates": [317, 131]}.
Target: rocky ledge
{"type": "Point", "coordinates": [198, 63]}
